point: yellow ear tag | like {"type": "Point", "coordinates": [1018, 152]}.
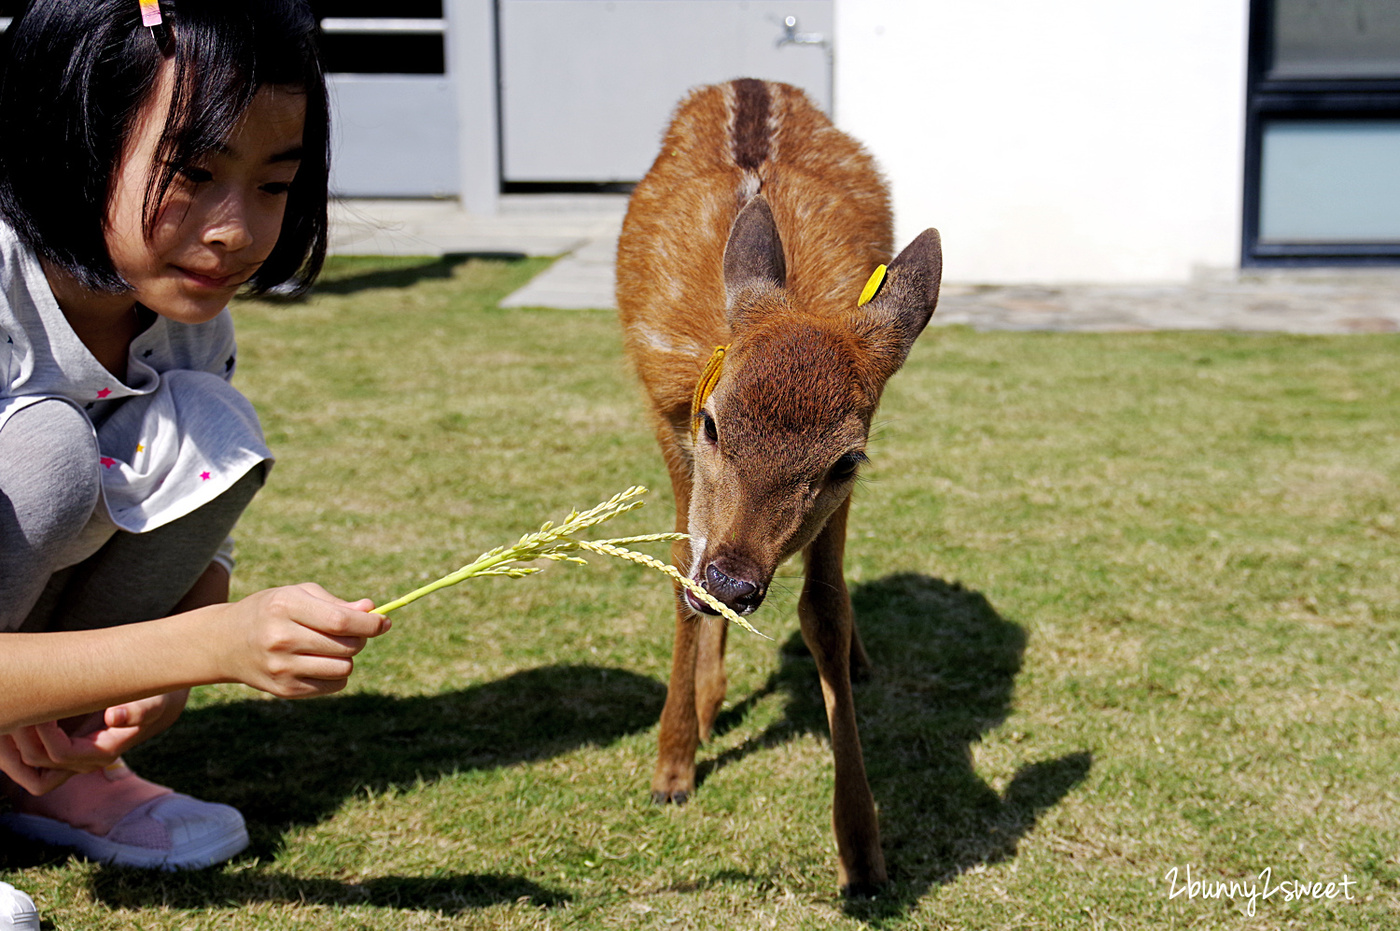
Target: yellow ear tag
{"type": "Point", "coordinates": [706, 386]}
{"type": "Point", "coordinates": [872, 287]}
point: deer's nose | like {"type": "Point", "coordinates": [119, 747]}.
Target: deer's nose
{"type": "Point", "coordinates": [728, 584]}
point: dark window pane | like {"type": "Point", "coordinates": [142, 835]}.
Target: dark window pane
{"type": "Point", "coordinates": [399, 9]}
{"type": "Point", "coordinates": [383, 53]}
{"type": "Point", "coordinates": [1336, 39]}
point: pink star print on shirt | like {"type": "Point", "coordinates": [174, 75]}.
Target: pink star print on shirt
{"type": "Point", "coordinates": [107, 461]}
{"type": "Point", "coordinates": [204, 476]}
{"type": "Point", "coordinates": [104, 392]}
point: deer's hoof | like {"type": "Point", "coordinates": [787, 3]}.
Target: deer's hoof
{"type": "Point", "coordinates": [862, 890]}
{"type": "Point", "coordinates": [674, 780]}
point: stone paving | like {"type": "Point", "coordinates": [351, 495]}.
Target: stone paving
{"type": "Point", "coordinates": [583, 230]}
{"type": "Point", "coordinates": [1285, 302]}
{"type": "Point", "coordinates": [525, 225]}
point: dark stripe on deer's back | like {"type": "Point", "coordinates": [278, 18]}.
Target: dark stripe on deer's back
{"type": "Point", "coordinates": [750, 136]}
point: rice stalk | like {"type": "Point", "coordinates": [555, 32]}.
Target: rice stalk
{"type": "Point", "coordinates": [559, 544]}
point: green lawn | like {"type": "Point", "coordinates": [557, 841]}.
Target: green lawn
{"type": "Point", "coordinates": [1132, 601]}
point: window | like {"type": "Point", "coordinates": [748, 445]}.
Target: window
{"type": "Point", "coordinates": [1322, 144]}
{"type": "Point", "coordinates": [9, 9]}
{"type": "Point", "coordinates": [356, 35]}
{"type": "Point", "coordinates": [359, 37]}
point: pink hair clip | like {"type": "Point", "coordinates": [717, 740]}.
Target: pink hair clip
{"type": "Point", "coordinates": [150, 16]}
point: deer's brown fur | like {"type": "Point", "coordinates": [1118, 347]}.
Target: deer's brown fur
{"type": "Point", "coordinates": [756, 227]}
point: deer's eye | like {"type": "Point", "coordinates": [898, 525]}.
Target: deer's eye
{"type": "Point", "coordinates": [846, 467]}
{"type": "Point", "coordinates": [711, 431]}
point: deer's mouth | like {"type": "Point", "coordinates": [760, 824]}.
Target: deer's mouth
{"type": "Point", "coordinates": [698, 606]}
{"type": "Point", "coordinates": [739, 594]}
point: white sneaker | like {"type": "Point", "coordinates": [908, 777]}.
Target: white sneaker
{"type": "Point", "coordinates": [17, 911]}
{"type": "Point", "coordinates": [170, 832]}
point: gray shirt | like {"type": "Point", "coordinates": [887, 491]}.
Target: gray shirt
{"type": "Point", "coordinates": [171, 437]}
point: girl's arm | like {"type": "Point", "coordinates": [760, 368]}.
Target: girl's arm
{"type": "Point", "coordinates": [139, 721]}
{"type": "Point", "coordinates": [293, 642]}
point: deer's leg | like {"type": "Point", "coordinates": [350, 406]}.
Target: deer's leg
{"type": "Point", "coordinates": [827, 628]}
{"type": "Point", "coordinates": [860, 662]}
{"type": "Point", "coordinates": [674, 779]}
{"type": "Point", "coordinates": [710, 681]}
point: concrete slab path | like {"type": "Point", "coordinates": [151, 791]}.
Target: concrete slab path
{"type": "Point", "coordinates": [583, 231]}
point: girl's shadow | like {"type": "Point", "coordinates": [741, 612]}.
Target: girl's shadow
{"type": "Point", "coordinates": [294, 763]}
{"type": "Point", "coordinates": [286, 764]}
{"type": "Point", "coordinates": [945, 664]}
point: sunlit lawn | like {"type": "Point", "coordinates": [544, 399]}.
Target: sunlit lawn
{"type": "Point", "coordinates": [1132, 600]}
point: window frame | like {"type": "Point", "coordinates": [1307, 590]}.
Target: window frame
{"type": "Point", "coordinates": [1312, 100]}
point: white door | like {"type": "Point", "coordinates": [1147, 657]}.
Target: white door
{"type": "Point", "coordinates": [587, 86]}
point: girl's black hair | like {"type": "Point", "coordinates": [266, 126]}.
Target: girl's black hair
{"type": "Point", "coordinates": [75, 78]}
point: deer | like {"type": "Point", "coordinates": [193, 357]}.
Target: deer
{"type": "Point", "coordinates": [763, 314]}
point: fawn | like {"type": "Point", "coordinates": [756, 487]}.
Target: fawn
{"type": "Point", "coordinates": [754, 231]}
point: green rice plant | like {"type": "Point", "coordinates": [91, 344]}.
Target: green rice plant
{"type": "Point", "coordinates": [559, 544]}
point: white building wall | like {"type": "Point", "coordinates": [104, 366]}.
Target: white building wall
{"type": "Point", "coordinates": [1074, 140]}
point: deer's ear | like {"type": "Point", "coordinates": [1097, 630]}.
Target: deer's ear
{"type": "Point", "coordinates": [902, 306]}
{"type": "Point", "coordinates": [753, 257]}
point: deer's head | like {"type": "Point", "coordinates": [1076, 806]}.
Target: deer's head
{"type": "Point", "coordinates": [780, 434]}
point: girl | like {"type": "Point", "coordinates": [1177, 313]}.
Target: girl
{"type": "Point", "coordinates": [153, 160]}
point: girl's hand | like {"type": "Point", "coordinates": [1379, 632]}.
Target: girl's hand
{"type": "Point", "coordinates": [298, 641]}
{"type": "Point", "coordinates": [41, 757]}
{"type": "Point", "coordinates": [25, 757]}
{"type": "Point", "coordinates": [294, 642]}
{"type": "Point", "coordinates": [147, 716]}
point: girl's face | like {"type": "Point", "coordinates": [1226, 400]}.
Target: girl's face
{"type": "Point", "coordinates": [222, 215]}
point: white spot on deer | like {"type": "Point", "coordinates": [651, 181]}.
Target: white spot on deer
{"type": "Point", "coordinates": [655, 340]}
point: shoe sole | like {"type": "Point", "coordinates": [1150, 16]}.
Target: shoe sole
{"type": "Point", "coordinates": [100, 850]}
{"type": "Point", "coordinates": [17, 910]}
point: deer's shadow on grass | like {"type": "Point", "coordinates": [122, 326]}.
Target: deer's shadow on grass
{"type": "Point", "coordinates": [945, 664]}
{"type": "Point", "coordinates": [285, 764]}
